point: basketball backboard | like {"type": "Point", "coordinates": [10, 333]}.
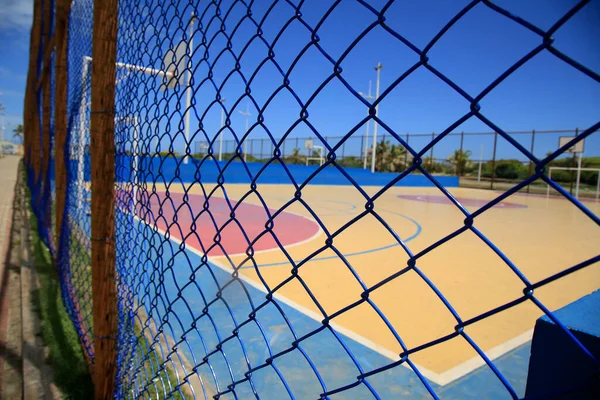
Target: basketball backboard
{"type": "Point", "coordinates": [577, 148]}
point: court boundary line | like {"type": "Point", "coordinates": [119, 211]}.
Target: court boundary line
{"type": "Point", "coordinates": [441, 379]}
{"type": "Point", "coordinates": [304, 241]}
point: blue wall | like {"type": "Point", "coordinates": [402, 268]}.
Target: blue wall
{"type": "Point", "coordinates": [165, 169]}
{"type": "Point", "coordinates": [557, 364]}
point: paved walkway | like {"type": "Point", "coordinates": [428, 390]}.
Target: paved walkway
{"type": "Point", "coordinates": [23, 373]}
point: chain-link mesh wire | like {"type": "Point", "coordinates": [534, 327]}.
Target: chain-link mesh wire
{"type": "Point", "coordinates": [75, 268]}
{"type": "Point", "coordinates": [193, 321]}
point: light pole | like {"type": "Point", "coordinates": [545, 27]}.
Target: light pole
{"type": "Point", "coordinates": [378, 69]}
{"type": "Point", "coordinates": [247, 115]}
{"type": "Point", "coordinates": [368, 97]}
{"type": "Point", "coordinates": [188, 95]}
{"type": "Point", "coordinates": [222, 133]}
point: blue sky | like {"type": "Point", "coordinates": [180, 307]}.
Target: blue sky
{"type": "Point", "coordinates": [544, 94]}
{"type": "Point", "coordinates": [15, 22]}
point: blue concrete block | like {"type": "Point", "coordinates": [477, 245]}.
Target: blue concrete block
{"type": "Point", "coordinates": [558, 367]}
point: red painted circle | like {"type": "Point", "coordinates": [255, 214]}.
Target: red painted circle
{"type": "Point", "coordinates": [198, 222]}
{"type": "Point", "coordinates": [465, 201]}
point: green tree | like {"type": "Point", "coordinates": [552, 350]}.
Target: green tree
{"type": "Point", "coordinates": [461, 161]}
{"type": "Point", "coordinates": [295, 158]}
{"type": "Point", "coordinates": [388, 158]}
{"type": "Point", "coordinates": [18, 132]}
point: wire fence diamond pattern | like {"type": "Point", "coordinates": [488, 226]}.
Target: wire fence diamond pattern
{"type": "Point", "coordinates": [193, 326]}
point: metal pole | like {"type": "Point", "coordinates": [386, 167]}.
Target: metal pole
{"type": "Point", "coordinates": [431, 152]}
{"type": "Point", "coordinates": [188, 95]}
{"type": "Point", "coordinates": [81, 138]}
{"type": "Point", "coordinates": [494, 161]}
{"type": "Point", "coordinates": [578, 175]}
{"type": "Point", "coordinates": [363, 156]}
{"type": "Point", "coordinates": [246, 114]}
{"type": "Point", "coordinates": [222, 131]}
{"type": "Point", "coordinates": [571, 172]}
{"type": "Point", "coordinates": [366, 137]}
{"type": "Point", "coordinates": [135, 154]}
{"type": "Point", "coordinates": [531, 150]}
{"type": "Point", "coordinates": [406, 153]}
{"type": "Point", "coordinates": [480, 163]}
{"type": "Point", "coordinates": [246, 142]}
{"type": "Point", "coordinates": [378, 69]}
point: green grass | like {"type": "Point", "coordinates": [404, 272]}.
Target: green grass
{"type": "Point", "coordinates": [164, 379]}
{"type": "Point", "coordinates": [71, 374]}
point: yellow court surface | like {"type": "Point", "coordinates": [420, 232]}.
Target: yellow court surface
{"type": "Point", "coordinates": [539, 236]}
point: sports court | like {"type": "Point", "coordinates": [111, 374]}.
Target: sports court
{"type": "Point", "coordinates": [540, 235]}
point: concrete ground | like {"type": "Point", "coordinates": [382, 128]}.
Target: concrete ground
{"type": "Point", "coordinates": [23, 372]}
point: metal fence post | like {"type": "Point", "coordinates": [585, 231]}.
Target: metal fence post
{"type": "Point", "coordinates": [431, 152]}
{"type": "Point", "coordinates": [573, 164]}
{"type": "Point", "coordinates": [102, 129]}
{"type": "Point", "coordinates": [362, 146]}
{"type": "Point", "coordinates": [406, 153]}
{"type": "Point", "coordinates": [494, 161]}
{"type": "Point", "coordinates": [531, 150]}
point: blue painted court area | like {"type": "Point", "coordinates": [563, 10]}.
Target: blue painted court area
{"type": "Point", "coordinates": [197, 305]}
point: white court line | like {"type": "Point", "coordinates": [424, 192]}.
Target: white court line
{"type": "Point", "coordinates": [441, 379]}
{"type": "Point", "coordinates": [313, 237]}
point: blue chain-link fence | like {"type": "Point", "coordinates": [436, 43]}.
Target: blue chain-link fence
{"type": "Point", "coordinates": [198, 316]}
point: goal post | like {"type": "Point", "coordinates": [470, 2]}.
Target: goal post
{"type": "Point", "coordinates": [597, 170]}
{"type": "Point", "coordinates": [310, 147]}
{"type": "Point", "coordinates": [576, 149]}
{"type": "Point", "coordinates": [173, 79]}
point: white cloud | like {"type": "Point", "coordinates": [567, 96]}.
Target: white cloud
{"type": "Point", "coordinates": [16, 14]}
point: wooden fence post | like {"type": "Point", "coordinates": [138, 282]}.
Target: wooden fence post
{"type": "Point", "coordinates": [30, 122]}
{"type": "Point", "coordinates": [102, 146]}
{"type": "Point", "coordinates": [45, 157]}
{"type": "Point", "coordinates": [63, 8]}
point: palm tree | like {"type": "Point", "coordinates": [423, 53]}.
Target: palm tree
{"type": "Point", "coordinates": [390, 158]}
{"type": "Point", "coordinates": [460, 160]}
{"type": "Point", "coordinates": [295, 158]}
{"type": "Point", "coordinates": [18, 132]}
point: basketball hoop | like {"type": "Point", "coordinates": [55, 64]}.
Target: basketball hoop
{"type": "Point", "coordinates": [576, 148]}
